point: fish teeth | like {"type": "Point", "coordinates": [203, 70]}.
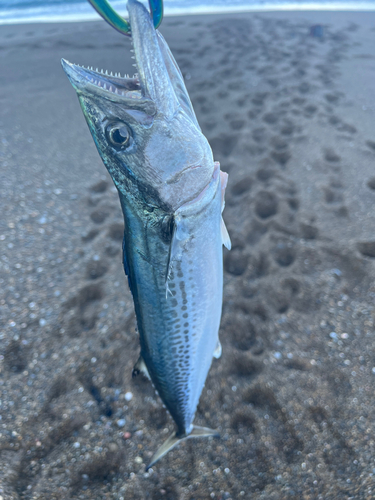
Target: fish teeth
{"type": "Point", "coordinates": [116, 91]}
{"type": "Point", "coordinates": [99, 83]}
{"type": "Point", "coordinates": [97, 70]}
{"type": "Point", "coordinates": [110, 88]}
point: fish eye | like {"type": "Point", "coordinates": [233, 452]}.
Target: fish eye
{"type": "Point", "coordinates": [118, 135]}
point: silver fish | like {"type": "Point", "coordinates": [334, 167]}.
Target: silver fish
{"type": "Point", "coordinates": [172, 197]}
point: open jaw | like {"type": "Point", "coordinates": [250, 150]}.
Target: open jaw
{"type": "Point", "coordinates": [106, 85]}
{"type": "Point", "coordinates": [151, 87]}
{"type": "Point", "coordinates": [124, 90]}
{"type": "Point", "coordinates": [113, 86]}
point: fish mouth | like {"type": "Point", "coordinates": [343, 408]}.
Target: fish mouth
{"type": "Point", "coordinates": [141, 91]}
{"type": "Point", "coordinates": [124, 90]}
{"type": "Point", "coordinates": [108, 85]}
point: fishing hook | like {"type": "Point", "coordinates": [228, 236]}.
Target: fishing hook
{"type": "Point", "coordinates": [118, 22]}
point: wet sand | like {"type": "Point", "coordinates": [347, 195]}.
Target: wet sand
{"type": "Point", "coordinates": [287, 103]}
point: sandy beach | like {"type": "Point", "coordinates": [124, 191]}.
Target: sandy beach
{"type": "Point", "coordinates": [287, 103]}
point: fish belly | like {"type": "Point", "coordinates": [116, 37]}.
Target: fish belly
{"type": "Point", "coordinates": [179, 320]}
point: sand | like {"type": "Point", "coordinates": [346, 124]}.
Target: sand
{"type": "Point", "coordinates": [287, 103]}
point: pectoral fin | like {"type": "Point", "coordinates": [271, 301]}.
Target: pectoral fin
{"type": "Point", "coordinates": [140, 367]}
{"type": "Point", "coordinates": [173, 440]}
{"type": "Point", "coordinates": [224, 232]}
{"type": "Point", "coordinates": [223, 183]}
{"type": "Point", "coordinates": [218, 350]}
{"type": "Point", "coordinates": [224, 235]}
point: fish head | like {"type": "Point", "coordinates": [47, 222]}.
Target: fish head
{"type": "Point", "coordinates": [144, 127]}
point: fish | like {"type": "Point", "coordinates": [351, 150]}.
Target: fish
{"type": "Point", "coordinates": [172, 197]}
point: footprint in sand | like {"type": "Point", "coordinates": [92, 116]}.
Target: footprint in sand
{"type": "Point", "coordinates": [116, 232]}
{"type": "Point", "coordinates": [337, 453]}
{"type": "Point", "coordinates": [223, 145]}
{"type": "Point", "coordinates": [282, 433]}
{"type": "Point", "coordinates": [332, 196]}
{"type": "Point", "coordinates": [310, 110]}
{"type": "Point", "coordinates": [15, 357]}
{"type": "Point", "coordinates": [90, 235]}
{"type": "Point", "coordinates": [244, 330]}
{"type": "Point", "coordinates": [99, 187]}
{"type": "Point", "coordinates": [96, 269]}
{"type": "Point", "coordinates": [81, 311]}
{"type": "Point", "coordinates": [341, 126]}
{"type": "Point", "coordinates": [98, 216]}
{"type": "Point", "coordinates": [347, 128]}
{"type": "Point", "coordinates": [304, 88]}
{"type": "Point", "coordinates": [259, 266]}
{"type": "Point", "coordinates": [244, 420]}
{"type": "Point", "coordinates": [265, 174]}
{"type": "Point", "coordinates": [371, 145]}
{"type": "Point", "coordinates": [259, 134]}
{"type": "Point", "coordinates": [266, 204]}
{"type": "Point", "coordinates": [367, 248]}
{"type": "Point", "coordinates": [332, 98]}
{"type": "Point", "coordinates": [241, 331]}
{"type": "Point", "coordinates": [280, 152]}
{"type": "Point", "coordinates": [334, 120]}
{"type": "Point", "coordinates": [259, 98]}
{"type": "Point", "coordinates": [308, 231]}
{"type": "Point", "coordinates": [235, 262]}
{"type": "Point", "coordinates": [331, 156]}
{"type": "Point", "coordinates": [271, 118]}
{"type": "Point", "coordinates": [242, 186]}
{"type": "Point", "coordinates": [284, 253]}
{"type": "Point", "coordinates": [244, 364]}
{"type": "Point", "coordinates": [281, 157]}
{"type": "Point", "coordinates": [237, 124]}
{"type": "Point", "coordinates": [255, 232]}
{"type": "Point", "coordinates": [288, 128]}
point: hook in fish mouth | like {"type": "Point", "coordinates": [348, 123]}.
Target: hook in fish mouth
{"type": "Point", "coordinates": [156, 82]}
{"type": "Point", "coordinates": [114, 86]}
